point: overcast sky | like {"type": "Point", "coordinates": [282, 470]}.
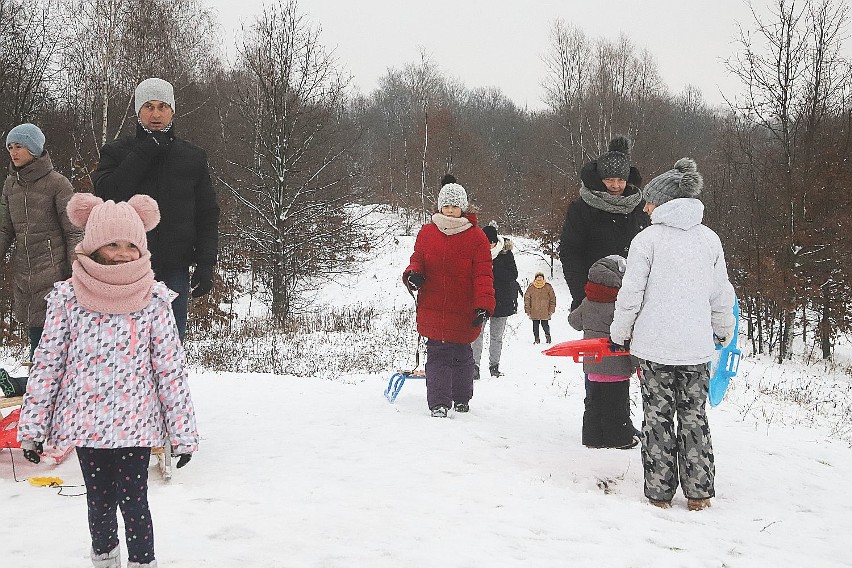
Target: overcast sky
{"type": "Point", "coordinates": [501, 42]}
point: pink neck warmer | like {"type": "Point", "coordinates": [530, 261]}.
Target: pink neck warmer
{"type": "Point", "coordinates": [451, 225]}
{"type": "Point", "coordinates": [113, 289]}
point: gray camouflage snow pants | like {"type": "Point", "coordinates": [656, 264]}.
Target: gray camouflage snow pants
{"type": "Point", "coordinates": [670, 391]}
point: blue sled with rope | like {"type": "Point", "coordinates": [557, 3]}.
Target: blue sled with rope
{"type": "Point", "coordinates": [398, 380]}
{"type": "Point", "coordinates": [724, 368]}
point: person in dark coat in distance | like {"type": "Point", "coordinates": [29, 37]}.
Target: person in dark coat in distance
{"type": "Point", "coordinates": [506, 292]}
{"type": "Point", "coordinates": [605, 217]}
{"type": "Point", "coordinates": [175, 173]}
{"type": "Point", "coordinates": [451, 268]}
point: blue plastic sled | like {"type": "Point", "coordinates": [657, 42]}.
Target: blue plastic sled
{"type": "Point", "coordinates": [397, 380]}
{"type": "Point", "coordinates": [725, 367]}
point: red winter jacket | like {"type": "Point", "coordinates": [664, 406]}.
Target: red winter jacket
{"type": "Point", "coordinates": [459, 280]}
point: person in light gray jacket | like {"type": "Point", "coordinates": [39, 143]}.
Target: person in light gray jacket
{"type": "Point", "coordinates": [674, 300]}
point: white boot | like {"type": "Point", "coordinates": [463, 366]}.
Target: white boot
{"type": "Point", "coordinates": [152, 564]}
{"type": "Point", "coordinates": [111, 559]}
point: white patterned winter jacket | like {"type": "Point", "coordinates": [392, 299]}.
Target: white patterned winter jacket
{"type": "Point", "coordinates": [109, 380]}
{"type": "Point", "coordinates": [675, 293]}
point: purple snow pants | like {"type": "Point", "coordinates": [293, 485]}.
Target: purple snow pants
{"type": "Point", "coordinates": [449, 373]}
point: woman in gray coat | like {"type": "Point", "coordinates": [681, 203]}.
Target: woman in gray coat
{"type": "Point", "coordinates": [32, 215]}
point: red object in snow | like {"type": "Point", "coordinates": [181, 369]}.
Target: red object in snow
{"type": "Point", "coordinates": [596, 348]}
{"type": "Point", "coordinates": [9, 430]}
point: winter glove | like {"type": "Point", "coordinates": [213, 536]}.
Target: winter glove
{"type": "Point", "coordinates": [155, 143]}
{"type": "Point", "coordinates": [202, 280]}
{"type": "Point", "coordinates": [415, 281]}
{"type": "Point", "coordinates": [719, 341]}
{"type": "Point", "coordinates": [619, 348]}
{"type": "Point", "coordinates": [183, 459]}
{"type": "Point", "coordinates": [481, 316]}
{"type": "Point", "coordinates": [32, 451]}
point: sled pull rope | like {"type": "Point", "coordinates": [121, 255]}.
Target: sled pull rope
{"type": "Point", "coordinates": [419, 337]}
{"type": "Point", "coordinates": [54, 485]}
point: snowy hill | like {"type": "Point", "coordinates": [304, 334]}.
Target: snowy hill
{"type": "Point", "coordinates": [320, 471]}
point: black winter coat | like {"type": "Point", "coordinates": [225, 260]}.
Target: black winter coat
{"type": "Point", "coordinates": [178, 178]}
{"type": "Point", "coordinates": [506, 288]}
{"type": "Point", "coordinates": [590, 234]}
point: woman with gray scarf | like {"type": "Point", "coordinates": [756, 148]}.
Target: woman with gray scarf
{"type": "Point", "coordinates": [604, 218]}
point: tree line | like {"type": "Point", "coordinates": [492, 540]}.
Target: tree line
{"type": "Point", "coordinates": [299, 160]}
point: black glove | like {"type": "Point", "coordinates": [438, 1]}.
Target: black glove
{"type": "Point", "coordinates": [415, 281]}
{"type": "Point", "coordinates": [719, 340]}
{"type": "Point", "coordinates": [183, 459]}
{"type": "Point", "coordinates": [481, 316]}
{"type": "Point", "coordinates": [202, 280]}
{"type": "Point", "coordinates": [618, 348]}
{"type": "Point", "coordinates": [34, 455]}
{"type": "Point", "coordinates": [155, 143]}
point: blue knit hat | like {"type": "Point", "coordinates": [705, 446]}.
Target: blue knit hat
{"type": "Point", "coordinates": [29, 136]}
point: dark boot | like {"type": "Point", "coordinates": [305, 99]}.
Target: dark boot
{"type": "Point", "coordinates": [495, 371]}
{"type": "Point", "coordinates": [547, 338]}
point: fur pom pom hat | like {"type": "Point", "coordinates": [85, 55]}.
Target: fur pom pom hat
{"type": "Point", "coordinates": [106, 221]}
{"type": "Point", "coordinates": [681, 181]}
{"type": "Point", "coordinates": [615, 162]}
{"type": "Point", "coordinates": [154, 89]}
{"type": "Point", "coordinates": [452, 194]}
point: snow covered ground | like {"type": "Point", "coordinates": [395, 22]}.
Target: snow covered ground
{"type": "Point", "coordinates": [321, 471]}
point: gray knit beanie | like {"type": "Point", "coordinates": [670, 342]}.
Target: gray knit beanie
{"type": "Point", "coordinates": [29, 136]}
{"type": "Point", "coordinates": [608, 271]}
{"type": "Point", "coordinates": [452, 194]}
{"type": "Point", "coordinates": [154, 89]}
{"type": "Point", "coordinates": [615, 162]}
{"type": "Point", "coordinates": [682, 181]}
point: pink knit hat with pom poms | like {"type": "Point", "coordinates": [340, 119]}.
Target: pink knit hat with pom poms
{"type": "Point", "coordinates": [107, 222]}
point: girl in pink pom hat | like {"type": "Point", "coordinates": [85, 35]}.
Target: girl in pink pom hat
{"type": "Point", "coordinates": [109, 374]}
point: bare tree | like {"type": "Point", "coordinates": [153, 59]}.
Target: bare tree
{"type": "Point", "coordinates": [29, 42]}
{"type": "Point", "coordinates": [795, 79]}
{"type": "Point", "coordinates": [111, 46]}
{"type": "Point", "coordinates": [291, 183]}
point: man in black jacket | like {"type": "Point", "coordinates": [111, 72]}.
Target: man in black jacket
{"type": "Point", "coordinates": [174, 172]}
{"type": "Point", "coordinates": [604, 219]}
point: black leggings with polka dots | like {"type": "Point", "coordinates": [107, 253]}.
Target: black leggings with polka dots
{"type": "Point", "coordinates": [118, 478]}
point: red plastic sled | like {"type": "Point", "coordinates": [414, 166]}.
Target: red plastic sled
{"type": "Point", "coordinates": [9, 430]}
{"type": "Point", "coordinates": [596, 348]}
{"type": "Point", "coordinates": [9, 439]}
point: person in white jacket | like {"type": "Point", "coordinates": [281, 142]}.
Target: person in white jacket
{"type": "Point", "coordinates": [675, 300]}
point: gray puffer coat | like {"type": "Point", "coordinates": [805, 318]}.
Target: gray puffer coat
{"type": "Point", "coordinates": [32, 215]}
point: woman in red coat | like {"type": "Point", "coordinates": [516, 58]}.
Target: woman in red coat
{"type": "Point", "coordinates": [451, 267]}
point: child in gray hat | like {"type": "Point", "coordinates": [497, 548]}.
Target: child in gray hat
{"type": "Point", "coordinates": [674, 298]}
{"type": "Point", "coordinates": [606, 419]}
